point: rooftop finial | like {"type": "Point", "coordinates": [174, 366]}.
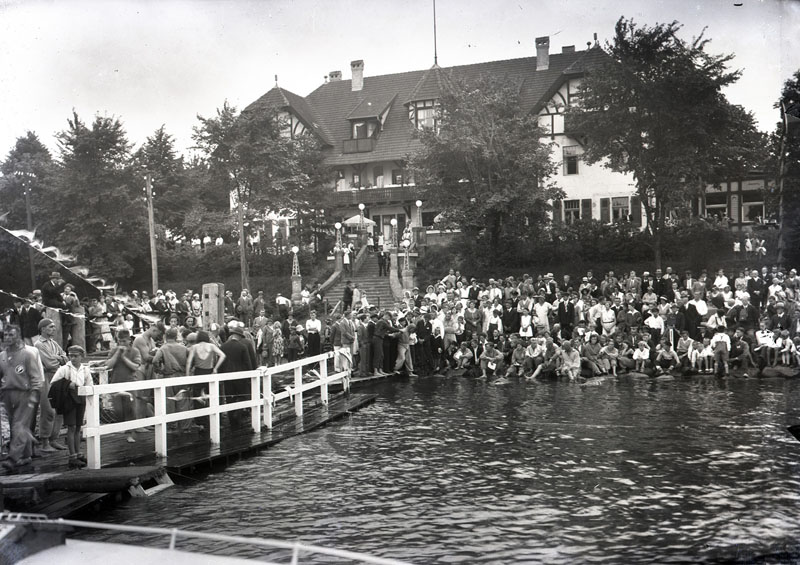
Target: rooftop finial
{"type": "Point", "coordinates": [435, 52]}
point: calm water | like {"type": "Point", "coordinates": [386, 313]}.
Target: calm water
{"type": "Point", "coordinates": [457, 471]}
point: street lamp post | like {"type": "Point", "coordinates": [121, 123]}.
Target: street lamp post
{"type": "Point", "coordinates": [25, 177]}
{"type": "Point", "coordinates": [361, 218]}
{"type": "Point", "coordinates": [419, 213]}
{"type": "Point", "coordinates": [406, 245]}
{"type": "Point", "coordinates": [394, 231]}
{"type": "Point", "coordinates": [297, 280]}
{"type": "Point", "coordinates": [338, 247]}
{"type": "Point", "coordinates": [406, 275]}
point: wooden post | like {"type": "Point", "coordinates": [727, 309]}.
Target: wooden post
{"type": "Point", "coordinates": [255, 397]}
{"type": "Point", "coordinates": [298, 391]}
{"type": "Point", "coordinates": [152, 224]}
{"type": "Point", "coordinates": [92, 431]}
{"type": "Point", "coordinates": [267, 388]}
{"type": "Point", "coordinates": [213, 403]}
{"type": "Point", "coordinates": [160, 411]}
{"type": "Point", "coordinates": [323, 377]}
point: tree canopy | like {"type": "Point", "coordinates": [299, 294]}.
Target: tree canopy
{"type": "Point", "coordinates": [785, 164]}
{"type": "Point", "coordinates": [263, 168]}
{"type": "Point", "coordinates": [485, 164]}
{"type": "Point", "coordinates": [94, 206]}
{"type": "Point", "coordinates": [656, 110]}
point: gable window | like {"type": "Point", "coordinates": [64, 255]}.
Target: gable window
{"type": "Point", "coordinates": [572, 211]}
{"type": "Point", "coordinates": [571, 155]}
{"type": "Point", "coordinates": [356, 180]}
{"type": "Point", "coordinates": [397, 176]}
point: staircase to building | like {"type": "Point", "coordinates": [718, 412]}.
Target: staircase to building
{"type": "Point", "coordinates": [377, 288]}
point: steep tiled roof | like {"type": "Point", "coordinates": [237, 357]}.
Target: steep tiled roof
{"type": "Point", "coordinates": [333, 104]}
{"type": "Point", "coordinates": [372, 106]}
{"type": "Point", "coordinates": [278, 97]}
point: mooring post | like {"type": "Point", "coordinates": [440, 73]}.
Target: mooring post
{"type": "Point", "coordinates": [213, 403]}
{"type": "Point", "coordinates": [323, 377]}
{"type": "Point", "coordinates": [255, 398]}
{"type": "Point", "coordinates": [298, 391]}
{"type": "Point", "coordinates": [160, 411]}
{"type": "Point", "coordinates": [92, 431]}
{"type": "Point", "coordinates": [267, 392]}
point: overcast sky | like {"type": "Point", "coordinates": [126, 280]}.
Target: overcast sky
{"type": "Point", "coordinates": [163, 62]}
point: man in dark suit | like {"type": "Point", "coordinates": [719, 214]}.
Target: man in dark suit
{"type": "Point", "coordinates": [756, 288]}
{"type": "Point", "coordinates": [238, 357]}
{"type": "Point", "coordinates": [566, 315]}
{"type": "Point", "coordinates": [381, 262]}
{"type": "Point", "coordinates": [30, 316]}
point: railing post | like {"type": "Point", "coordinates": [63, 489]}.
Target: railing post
{"type": "Point", "coordinates": [255, 397]}
{"type": "Point", "coordinates": [298, 391]}
{"type": "Point", "coordinates": [93, 436]}
{"type": "Point", "coordinates": [160, 411]}
{"type": "Point", "coordinates": [267, 388]}
{"type": "Point", "coordinates": [323, 377]}
{"type": "Point", "coordinates": [213, 403]}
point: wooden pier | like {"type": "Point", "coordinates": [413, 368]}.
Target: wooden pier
{"type": "Point", "coordinates": [48, 487]}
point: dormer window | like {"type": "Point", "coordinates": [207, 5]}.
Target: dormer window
{"type": "Point", "coordinates": [423, 114]}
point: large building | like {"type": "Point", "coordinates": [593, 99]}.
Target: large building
{"type": "Point", "coordinates": [367, 125]}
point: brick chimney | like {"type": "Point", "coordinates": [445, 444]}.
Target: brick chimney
{"type": "Point", "coordinates": [568, 49]}
{"type": "Point", "coordinates": [335, 75]}
{"type": "Point", "coordinates": [357, 68]}
{"type": "Point", "coordinates": [542, 53]}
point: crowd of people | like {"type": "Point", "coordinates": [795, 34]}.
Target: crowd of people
{"type": "Point", "coordinates": [656, 323]}
{"type": "Point", "coordinates": [527, 327]}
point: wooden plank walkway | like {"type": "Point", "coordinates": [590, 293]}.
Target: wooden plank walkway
{"type": "Point", "coordinates": [59, 492]}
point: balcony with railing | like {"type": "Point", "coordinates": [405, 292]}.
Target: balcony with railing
{"type": "Point", "coordinates": [386, 195]}
{"type": "Point", "coordinates": [363, 145]}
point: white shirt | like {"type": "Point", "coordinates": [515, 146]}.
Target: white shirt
{"type": "Point", "coordinates": [80, 375]}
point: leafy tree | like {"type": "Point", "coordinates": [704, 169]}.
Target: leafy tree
{"type": "Point", "coordinates": [28, 167]}
{"type": "Point", "coordinates": [260, 165]}
{"type": "Point", "coordinates": [485, 164]}
{"type": "Point", "coordinates": [158, 158]}
{"type": "Point", "coordinates": [656, 110]}
{"type": "Point", "coordinates": [785, 165]}
{"type": "Point", "coordinates": [93, 209]}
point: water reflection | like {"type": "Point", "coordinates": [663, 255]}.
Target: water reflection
{"type": "Point", "coordinates": [452, 470]}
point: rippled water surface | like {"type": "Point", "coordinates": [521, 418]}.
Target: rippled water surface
{"type": "Point", "coordinates": [452, 470]}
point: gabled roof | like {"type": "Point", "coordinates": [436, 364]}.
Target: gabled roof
{"type": "Point", "coordinates": [278, 97]}
{"type": "Point", "coordinates": [372, 106]}
{"type": "Point", "coordinates": [333, 104]}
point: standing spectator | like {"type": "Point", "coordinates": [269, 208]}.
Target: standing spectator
{"type": "Point", "coordinates": [76, 374]}
{"type": "Point", "coordinates": [230, 305]}
{"type": "Point", "coordinates": [238, 357]}
{"type": "Point", "coordinates": [30, 316]}
{"type": "Point", "coordinates": [124, 362]}
{"type": "Point", "coordinates": [22, 377]}
{"type": "Point", "coordinates": [52, 357]}
{"type": "Point", "coordinates": [284, 306]}
{"type": "Point", "coordinates": [346, 260]}
{"type": "Point", "coordinates": [347, 296]}
{"type": "Point", "coordinates": [53, 301]}
{"type": "Point", "coordinates": [244, 308]}
{"type": "Point", "coordinates": [381, 262]}
{"type": "Point", "coordinates": [313, 332]}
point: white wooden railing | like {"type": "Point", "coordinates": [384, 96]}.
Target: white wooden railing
{"type": "Point", "coordinates": [261, 404]}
